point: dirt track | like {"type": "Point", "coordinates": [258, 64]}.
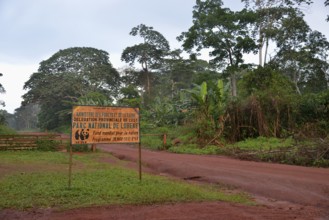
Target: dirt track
{"type": "Point", "coordinates": [296, 184]}
{"type": "Point", "coordinates": [283, 192]}
{"type": "Point", "coordinates": [275, 185]}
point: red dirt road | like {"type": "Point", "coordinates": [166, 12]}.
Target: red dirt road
{"type": "Point", "coordinates": [270, 184]}
{"type": "Point", "coordinates": [296, 184]}
{"type": "Point", "coordinates": [283, 192]}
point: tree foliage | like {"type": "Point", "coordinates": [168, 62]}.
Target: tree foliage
{"type": "Point", "coordinates": [208, 99]}
{"type": "Point", "coordinates": [178, 73]}
{"type": "Point", "coordinates": [270, 15]}
{"type": "Point", "coordinates": [265, 107]}
{"type": "Point", "coordinates": [313, 114]}
{"type": "Point", "coordinates": [66, 76]}
{"type": "Point", "coordinates": [304, 60]}
{"type": "Point", "coordinates": [149, 53]}
{"type": "Point", "coordinates": [279, 96]}
{"type": "Point", "coordinates": [26, 117]}
{"type": "Point", "coordinates": [3, 120]}
{"type": "Point", "coordinates": [224, 31]}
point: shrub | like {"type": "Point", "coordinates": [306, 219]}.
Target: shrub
{"type": "Point", "coordinates": [47, 145]}
{"type": "Point", "coordinates": [152, 142]}
{"type": "Point", "coordinates": [313, 114]}
{"type": "Point", "coordinates": [263, 143]}
{"type": "Point", "coordinates": [306, 153]}
{"type": "Point", "coordinates": [6, 130]}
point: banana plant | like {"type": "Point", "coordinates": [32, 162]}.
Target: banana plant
{"type": "Point", "coordinates": [210, 105]}
{"type": "Point", "coordinates": [199, 93]}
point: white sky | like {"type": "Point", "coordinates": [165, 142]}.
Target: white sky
{"type": "Point", "coordinates": [33, 30]}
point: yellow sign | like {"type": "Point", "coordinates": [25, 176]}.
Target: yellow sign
{"type": "Point", "coordinates": [95, 124]}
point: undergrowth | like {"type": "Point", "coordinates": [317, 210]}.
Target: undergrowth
{"type": "Point", "coordinates": [287, 151]}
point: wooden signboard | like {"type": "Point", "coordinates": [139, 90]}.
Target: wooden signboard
{"type": "Point", "coordinates": [97, 125]}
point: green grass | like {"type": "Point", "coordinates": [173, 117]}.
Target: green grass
{"type": "Point", "coordinates": [263, 143]}
{"type": "Point", "coordinates": [93, 183]}
{"type": "Point", "coordinates": [286, 151]}
{"type": "Point", "coordinates": [184, 135]}
{"type": "Point", "coordinates": [194, 149]}
{"type": "Point", "coordinates": [21, 157]}
{"type": "Point", "coordinates": [268, 149]}
{"type": "Point", "coordinates": [152, 142]}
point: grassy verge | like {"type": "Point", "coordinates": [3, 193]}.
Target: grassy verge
{"type": "Point", "coordinates": [306, 153]}
{"type": "Point", "coordinates": [312, 152]}
{"type": "Point", "coordinates": [194, 149]}
{"type": "Point", "coordinates": [175, 135]}
{"type": "Point", "coordinates": [263, 143]}
{"type": "Point", "coordinates": [93, 183]}
{"type": "Point", "coordinates": [152, 142]}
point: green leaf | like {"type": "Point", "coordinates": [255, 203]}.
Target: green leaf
{"type": "Point", "coordinates": [203, 92]}
{"type": "Point", "coordinates": [220, 86]}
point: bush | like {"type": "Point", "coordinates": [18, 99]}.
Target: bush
{"type": "Point", "coordinates": [299, 155]}
{"type": "Point", "coordinates": [313, 114]}
{"type": "Point", "coordinates": [47, 145]}
{"type": "Point", "coordinates": [263, 143]}
{"type": "Point", "coordinates": [6, 130]}
{"type": "Point", "coordinates": [306, 153]}
{"type": "Point", "coordinates": [265, 107]}
{"type": "Point", "coordinates": [152, 142]}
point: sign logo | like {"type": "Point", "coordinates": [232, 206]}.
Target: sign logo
{"type": "Point", "coordinates": [82, 135]}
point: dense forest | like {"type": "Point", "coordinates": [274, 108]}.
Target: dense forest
{"type": "Point", "coordinates": [284, 94]}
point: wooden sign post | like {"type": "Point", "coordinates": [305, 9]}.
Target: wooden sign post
{"type": "Point", "coordinates": [105, 125]}
{"type": "Point", "coordinates": [70, 167]}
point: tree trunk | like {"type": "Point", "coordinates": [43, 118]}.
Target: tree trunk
{"type": "Point", "coordinates": [295, 80]}
{"type": "Point", "coordinates": [148, 80]}
{"type": "Point", "coordinates": [234, 84]}
{"type": "Point", "coordinates": [172, 89]}
{"type": "Point", "coordinates": [266, 50]}
{"type": "Point", "coordinates": [260, 48]}
{"type": "Point", "coordinates": [148, 83]}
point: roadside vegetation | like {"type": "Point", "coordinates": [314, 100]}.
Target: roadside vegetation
{"type": "Point", "coordinates": [6, 130]}
{"type": "Point", "coordinates": [275, 110]}
{"type": "Point", "coordinates": [307, 152]}
{"type": "Point", "coordinates": [32, 179]}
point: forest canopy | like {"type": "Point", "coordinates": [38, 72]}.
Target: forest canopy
{"type": "Point", "coordinates": [227, 97]}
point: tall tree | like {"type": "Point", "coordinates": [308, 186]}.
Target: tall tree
{"type": "Point", "coordinates": [178, 73]}
{"type": "Point", "coordinates": [149, 53]}
{"type": "Point", "coordinates": [224, 31]}
{"type": "Point", "coordinates": [26, 117]}
{"type": "Point", "coordinates": [90, 65]}
{"type": "Point", "coordinates": [290, 39]}
{"type": "Point", "coordinates": [66, 76]}
{"type": "Point", "coordinates": [302, 55]}
{"type": "Point", "coordinates": [270, 14]}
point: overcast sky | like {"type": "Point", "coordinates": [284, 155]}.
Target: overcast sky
{"type": "Point", "coordinates": [33, 30]}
